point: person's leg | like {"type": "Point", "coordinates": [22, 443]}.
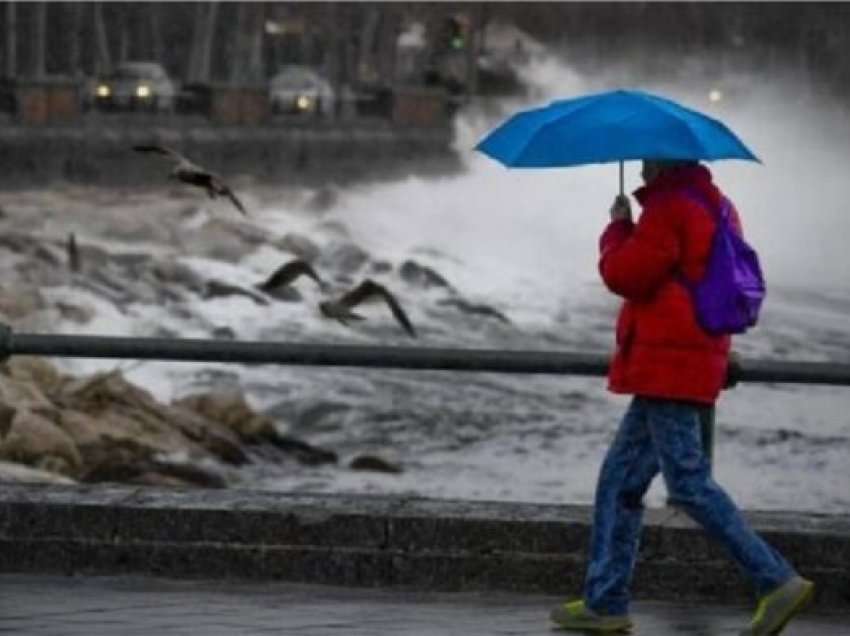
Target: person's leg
{"type": "Point", "coordinates": [629, 467]}
{"type": "Point", "coordinates": [675, 431]}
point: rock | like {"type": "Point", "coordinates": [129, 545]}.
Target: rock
{"type": "Point", "coordinates": [17, 302]}
{"type": "Point", "coordinates": [190, 474]}
{"type": "Point", "coordinates": [157, 479]}
{"type": "Point", "coordinates": [302, 451]}
{"type": "Point", "coordinates": [32, 437]}
{"type": "Point", "coordinates": [223, 333]}
{"type": "Point", "coordinates": [120, 461]}
{"type": "Point", "coordinates": [211, 435]}
{"type": "Point", "coordinates": [92, 257]}
{"type": "Point", "coordinates": [422, 276]}
{"type": "Point", "coordinates": [132, 413]}
{"type": "Point", "coordinates": [75, 313]}
{"type": "Point", "coordinates": [132, 263]}
{"type": "Point", "coordinates": [230, 409]}
{"type": "Point", "coordinates": [120, 412]}
{"type": "Point", "coordinates": [381, 267]}
{"type": "Point", "coordinates": [34, 369]}
{"type": "Point", "coordinates": [55, 464]}
{"type": "Point", "coordinates": [322, 200]}
{"type": "Point", "coordinates": [22, 394]}
{"type": "Point", "coordinates": [140, 477]}
{"type": "Point", "coordinates": [7, 414]}
{"type": "Point", "coordinates": [136, 227]}
{"type": "Point", "coordinates": [219, 239]}
{"type": "Point", "coordinates": [251, 235]}
{"type": "Point", "coordinates": [128, 462]}
{"type": "Point", "coordinates": [83, 429]}
{"type": "Point", "coordinates": [344, 257]}
{"type": "Point", "coordinates": [47, 256]}
{"type": "Point", "coordinates": [299, 245]}
{"type": "Point", "coordinates": [29, 246]}
{"type": "Point", "coordinates": [375, 464]}
{"type": "Point", "coordinates": [173, 272]}
{"type": "Point", "coordinates": [18, 473]}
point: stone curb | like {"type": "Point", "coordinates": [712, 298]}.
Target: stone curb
{"type": "Point", "coordinates": [363, 540]}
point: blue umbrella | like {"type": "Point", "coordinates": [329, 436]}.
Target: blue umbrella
{"type": "Point", "coordinates": [612, 126]}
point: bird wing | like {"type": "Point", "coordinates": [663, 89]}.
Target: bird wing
{"type": "Point", "coordinates": [370, 289]}
{"type": "Point", "coordinates": [235, 201]}
{"type": "Point", "coordinates": [363, 292]}
{"type": "Point", "coordinates": [287, 273]}
{"type": "Point", "coordinates": [162, 150]}
{"type": "Point", "coordinates": [222, 188]}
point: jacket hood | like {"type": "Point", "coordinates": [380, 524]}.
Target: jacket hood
{"type": "Point", "coordinates": [697, 177]}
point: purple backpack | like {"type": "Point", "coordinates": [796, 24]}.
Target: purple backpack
{"type": "Point", "coordinates": [728, 298]}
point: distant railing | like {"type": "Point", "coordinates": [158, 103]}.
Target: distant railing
{"type": "Point", "coordinates": [413, 358]}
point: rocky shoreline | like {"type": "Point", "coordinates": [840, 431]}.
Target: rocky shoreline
{"type": "Point", "coordinates": [99, 427]}
{"type": "Point", "coordinates": [103, 428]}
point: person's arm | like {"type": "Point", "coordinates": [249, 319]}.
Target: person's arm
{"type": "Point", "coordinates": [636, 259]}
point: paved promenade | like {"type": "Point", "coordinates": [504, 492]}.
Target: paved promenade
{"type": "Point", "coordinates": [32, 605]}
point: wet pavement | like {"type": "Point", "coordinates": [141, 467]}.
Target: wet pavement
{"type": "Point", "coordinates": [32, 605]}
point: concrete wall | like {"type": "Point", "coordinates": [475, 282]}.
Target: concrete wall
{"type": "Point", "coordinates": [101, 153]}
{"type": "Point", "coordinates": [384, 541]}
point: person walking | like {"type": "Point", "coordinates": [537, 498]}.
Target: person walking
{"type": "Point", "coordinates": [673, 368]}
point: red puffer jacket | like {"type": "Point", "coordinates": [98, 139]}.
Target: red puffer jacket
{"type": "Point", "coordinates": [661, 350]}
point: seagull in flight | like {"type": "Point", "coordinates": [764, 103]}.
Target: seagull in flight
{"type": "Point", "coordinates": [287, 273]}
{"type": "Point", "coordinates": [340, 309]}
{"type": "Point", "coordinates": [193, 174]}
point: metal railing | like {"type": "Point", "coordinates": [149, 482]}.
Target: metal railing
{"type": "Point", "coordinates": [421, 358]}
{"type": "Point", "coordinates": [413, 358]}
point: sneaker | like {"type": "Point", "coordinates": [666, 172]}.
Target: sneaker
{"type": "Point", "coordinates": [577, 616]}
{"type": "Point", "coordinates": [780, 606]}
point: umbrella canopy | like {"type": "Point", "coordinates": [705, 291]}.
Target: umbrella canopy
{"type": "Point", "coordinates": [612, 126]}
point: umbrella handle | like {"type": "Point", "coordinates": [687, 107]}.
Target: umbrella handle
{"type": "Point", "coordinates": [621, 177]}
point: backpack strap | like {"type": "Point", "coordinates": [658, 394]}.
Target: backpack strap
{"type": "Point", "coordinates": [720, 215]}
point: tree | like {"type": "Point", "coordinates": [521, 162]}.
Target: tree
{"type": "Point", "coordinates": [74, 37]}
{"type": "Point", "coordinates": [11, 52]}
{"type": "Point", "coordinates": [103, 60]}
{"type": "Point", "coordinates": [38, 42]}
{"type": "Point", "coordinates": [256, 30]}
{"type": "Point", "coordinates": [202, 39]}
{"type": "Point", "coordinates": [240, 45]}
{"type": "Point", "coordinates": [155, 25]}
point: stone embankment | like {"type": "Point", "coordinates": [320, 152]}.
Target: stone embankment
{"type": "Point", "coordinates": [384, 541]}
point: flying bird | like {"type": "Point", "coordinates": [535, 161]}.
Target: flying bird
{"type": "Point", "coordinates": [287, 273]}
{"type": "Point", "coordinates": [193, 174]}
{"type": "Point", "coordinates": [73, 253]}
{"type": "Point", "coordinates": [340, 309]}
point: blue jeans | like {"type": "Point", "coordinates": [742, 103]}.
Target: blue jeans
{"type": "Point", "coordinates": [664, 435]}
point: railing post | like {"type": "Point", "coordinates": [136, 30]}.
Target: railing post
{"type": "Point", "coordinates": [5, 341]}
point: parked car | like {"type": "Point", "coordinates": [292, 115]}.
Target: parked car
{"type": "Point", "coordinates": [297, 90]}
{"type": "Point", "coordinates": [136, 86]}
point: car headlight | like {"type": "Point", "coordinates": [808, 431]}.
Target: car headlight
{"type": "Point", "coordinates": [143, 91]}
{"type": "Point", "coordinates": [303, 102]}
{"type": "Point", "coordinates": [103, 90]}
